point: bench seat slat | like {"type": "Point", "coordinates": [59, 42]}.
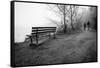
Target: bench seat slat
{"type": "Point", "coordinates": [43, 32]}
{"type": "Point", "coordinates": [42, 27]}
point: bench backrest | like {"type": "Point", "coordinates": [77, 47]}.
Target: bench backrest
{"type": "Point", "coordinates": [43, 30]}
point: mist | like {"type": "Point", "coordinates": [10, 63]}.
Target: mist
{"type": "Point", "coordinates": [28, 15]}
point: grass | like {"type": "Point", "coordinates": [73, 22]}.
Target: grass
{"type": "Point", "coordinates": [74, 48]}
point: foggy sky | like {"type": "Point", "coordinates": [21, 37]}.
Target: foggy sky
{"type": "Point", "coordinates": [28, 15]}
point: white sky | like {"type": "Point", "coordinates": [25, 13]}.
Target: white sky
{"type": "Point", "coordinates": [28, 15]}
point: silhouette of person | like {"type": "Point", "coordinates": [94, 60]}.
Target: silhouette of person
{"type": "Point", "coordinates": [88, 25]}
{"type": "Point", "coordinates": [84, 26]}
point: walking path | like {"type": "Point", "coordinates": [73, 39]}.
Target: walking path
{"type": "Point", "coordinates": [64, 49]}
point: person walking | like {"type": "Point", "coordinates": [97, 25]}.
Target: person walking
{"type": "Point", "coordinates": [84, 26]}
{"type": "Point", "coordinates": [88, 25]}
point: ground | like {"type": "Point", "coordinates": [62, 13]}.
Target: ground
{"type": "Point", "coordinates": [65, 48]}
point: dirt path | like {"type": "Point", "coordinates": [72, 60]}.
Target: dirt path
{"type": "Point", "coordinates": [70, 49]}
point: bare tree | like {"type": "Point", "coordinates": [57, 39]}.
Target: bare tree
{"type": "Point", "coordinates": [73, 14]}
{"type": "Point", "coordinates": [64, 11]}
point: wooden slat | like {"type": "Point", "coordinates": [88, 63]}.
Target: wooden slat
{"type": "Point", "coordinates": [42, 27]}
{"type": "Point", "coordinates": [43, 30]}
{"type": "Point", "coordinates": [33, 33]}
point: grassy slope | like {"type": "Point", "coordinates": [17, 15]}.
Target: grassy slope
{"type": "Point", "coordinates": [63, 49]}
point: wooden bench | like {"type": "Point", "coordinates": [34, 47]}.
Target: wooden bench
{"type": "Point", "coordinates": [38, 32]}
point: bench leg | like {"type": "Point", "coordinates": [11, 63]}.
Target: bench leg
{"type": "Point", "coordinates": [37, 39]}
{"type": "Point", "coordinates": [54, 35]}
{"type": "Point", "coordinates": [31, 41]}
{"type": "Point", "coordinates": [49, 35]}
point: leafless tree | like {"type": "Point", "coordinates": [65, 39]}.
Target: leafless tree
{"type": "Point", "coordinates": [73, 14]}
{"type": "Point", "coordinates": [64, 11]}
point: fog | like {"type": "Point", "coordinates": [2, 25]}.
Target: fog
{"type": "Point", "coordinates": [28, 15]}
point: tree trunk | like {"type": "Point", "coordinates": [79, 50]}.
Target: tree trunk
{"type": "Point", "coordinates": [71, 18]}
{"type": "Point", "coordinates": [64, 20]}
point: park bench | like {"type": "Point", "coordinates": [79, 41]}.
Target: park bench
{"type": "Point", "coordinates": [38, 32]}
